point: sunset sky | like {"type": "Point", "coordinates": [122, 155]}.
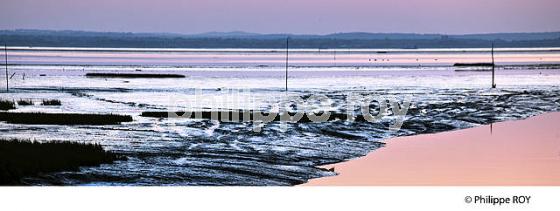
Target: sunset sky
{"type": "Point", "coordinates": [284, 16]}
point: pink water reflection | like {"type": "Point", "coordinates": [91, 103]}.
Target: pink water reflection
{"type": "Point", "coordinates": [523, 152]}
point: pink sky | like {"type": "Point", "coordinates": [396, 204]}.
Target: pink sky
{"type": "Point", "coordinates": [286, 16]}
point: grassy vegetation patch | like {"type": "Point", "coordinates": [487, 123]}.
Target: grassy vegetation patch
{"type": "Point", "coordinates": [51, 102]}
{"type": "Point", "coordinates": [7, 105]}
{"type": "Point", "coordinates": [63, 118]}
{"type": "Point", "coordinates": [25, 102]}
{"type": "Point", "coordinates": [246, 116]}
{"type": "Point", "coordinates": [24, 158]}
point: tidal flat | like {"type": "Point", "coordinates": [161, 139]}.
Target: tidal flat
{"type": "Point", "coordinates": [184, 151]}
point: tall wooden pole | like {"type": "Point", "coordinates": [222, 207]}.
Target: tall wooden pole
{"type": "Point", "coordinates": [287, 54]}
{"type": "Point", "coordinates": [493, 68]}
{"type": "Point", "coordinates": [6, 60]}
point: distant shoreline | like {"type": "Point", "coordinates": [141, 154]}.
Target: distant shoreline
{"type": "Point", "coordinates": [283, 50]}
{"type": "Point", "coordinates": [259, 41]}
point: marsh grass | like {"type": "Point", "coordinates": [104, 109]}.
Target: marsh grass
{"type": "Point", "coordinates": [134, 75]}
{"type": "Point", "coordinates": [24, 158]}
{"type": "Point", "coordinates": [7, 105]}
{"type": "Point", "coordinates": [51, 102]}
{"type": "Point", "coordinates": [25, 102]}
{"type": "Point", "coordinates": [63, 118]}
{"type": "Point", "coordinates": [242, 115]}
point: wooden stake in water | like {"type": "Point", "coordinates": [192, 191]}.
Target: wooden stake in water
{"type": "Point", "coordinates": [287, 54]}
{"type": "Point", "coordinates": [6, 64]}
{"type": "Point", "coordinates": [493, 68]}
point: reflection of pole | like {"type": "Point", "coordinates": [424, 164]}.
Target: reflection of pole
{"type": "Point", "coordinates": [493, 68]}
{"type": "Point", "coordinates": [6, 60]}
{"type": "Point", "coordinates": [335, 57]}
{"type": "Point", "coordinates": [287, 53]}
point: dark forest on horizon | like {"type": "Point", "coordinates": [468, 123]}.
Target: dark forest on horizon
{"type": "Point", "coordinates": [45, 38]}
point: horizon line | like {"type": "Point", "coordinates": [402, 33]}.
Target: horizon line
{"type": "Point", "coordinates": [248, 33]}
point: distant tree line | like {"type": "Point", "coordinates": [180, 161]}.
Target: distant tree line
{"type": "Point", "coordinates": [154, 41]}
